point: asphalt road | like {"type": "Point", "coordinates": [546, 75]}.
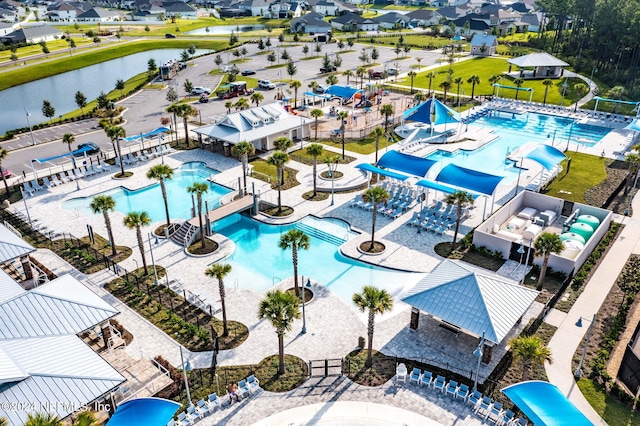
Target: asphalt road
{"type": "Point", "coordinates": [145, 108]}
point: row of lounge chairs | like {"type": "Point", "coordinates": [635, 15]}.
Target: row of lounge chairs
{"type": "Point", "coordinates": [203, 408]}
{"type": "Point", "coordinates": [437, 219]}
{"type": "Point", "coordinates": [64, 177]}
{"type": "Point", "coordinates": [482, 405]}
{"type": "Point", "coordinates": [144, 155]}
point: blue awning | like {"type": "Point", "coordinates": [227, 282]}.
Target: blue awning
{"type": "Point", "coordinates": [617, 101]}
{"type": "Point", "coordinates": [435, 185]}
{"type": "Point", "coordinates": [317, 95]}
{"type": "Point", "coordinates": [406, 163]}
{"type": "Point", "coordinates": [147, 135]}
{"type": "Point", "coordinates": [472, 180]}
{"type": "Point", "coordinates": [66, 154]}
{"type": "Point", "coordinates": [635, 125]}
{"type": "Point", "coordinates": [345, 92]}
{"type": "Point", "coordinates": [432, 111]}
{"type": "Point", "coordinates": [547, 156]}
{"type": "Point", "coordinates": [370, 168]}
{"type": "Point", "coordinates": [545, 405]}
{"type": "Point", "coordinates": [144, 411]}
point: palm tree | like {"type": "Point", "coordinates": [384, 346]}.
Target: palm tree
{"type": "Point", "coordinates": [445, 86]}
{"type": "Point", "coordinates": [458, 81]}
{"type": "Point", "coordinates": [283, 143]}
{"type": "Point", "coordinates": [460, 199]}
{"type": "Point", "coordinates": [530, 351]}
{"type": "Point", "coordinates": [161, 173]}
{"type": "Point", "coordinates": [42, 419]}
{"type": "Point", "coordinates": [295, 85]}
{"type": "Point", "coordinates": [279, 159]}
{"type": "Point", "coordinates": [84, 418]}
{"type": "Point", "coordinates": [360, 72]}
{"type": "Point", "coordinates": [316, 113]}
{"type": "Point", "coordinates": [375, 195]}
{"type": "Point", "coordinates": [104, 204]}
{"type": "Point", "coordinates": [616, 92]}
{"type": "Point", "coordinates": [137, 220]}
{"type": "Point", "coordinates": [375, 301]}
{"type": "Point", "coordinates": [241, 104]}
{"type": "Point", "coordinates": [331, 79]}
{"type": "Point", "coordinates": [295, 240]}
{"type": "Point", "coordinates": [199, 188]}
{"type": "Point", "coordinates": [547, 82]}
{"type": "Point", "coordinates": [315, 150]}
{"type": "Point", "coordinates": [387, 111]}
{"type": "Point", "coordinates": [430, 75]}
{"type": "Point", "coordinates": [580, 90]}
{"type": "Point", "coordinates": [474, 79]}
{"type": "Point", "coordinates": [280, 309]}
{"type": "Point", "coordinates": [219, 271]}
{"type": "Point", "coordinates": [348, 74]}
{"type": "Point", "coordinates": [185, 111]}
{"type": "Point", "coordinates": [545, 244]}
{"type": "Point", "coordinates": [243, 150]}
{"type": "Point", "coordinates": [228, 105]}
{"type": "Point", "coordinates": [115, 133]}
{"type": "Point", "coordinates": [412, 74]}
{"type": "Point", "coordinates": [377, 132]}
{"type": "Point", "coordinates": [493, 80]}
{"type": "Point", "coordinates": [632, 160]}
{"type": "Point", "coordinates": [518, 82]}
{"type": "Point", "coordinates": [313, 86]}
{"type": "Point", "coordinates": [256, 98]}
{"type": "Point", "coordinates": [3, 155]}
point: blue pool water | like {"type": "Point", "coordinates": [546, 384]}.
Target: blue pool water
{"type": "Point", "coordinates": [258, 263]}
{"type": "Point", "coordinates": [149, 198]}
{"type": "Point", "coordinates": [514, 130]}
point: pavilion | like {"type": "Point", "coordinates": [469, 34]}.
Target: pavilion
{"type": "Point", "coordinates": [537, 65]}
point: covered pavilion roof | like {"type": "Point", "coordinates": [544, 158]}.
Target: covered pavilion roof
{"type": "Point", "coordinates": [540, 59]}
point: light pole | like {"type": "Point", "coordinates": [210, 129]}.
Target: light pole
{"type": "Point", "coordinates": [185, 367]}
{"type": "Point", "coordinates": [578, 373]}
{"type": "Point", "coordinates": [478, 353]}
{"type": "Point", "coordinates": [26, 208]}
{"type": "Point", "coordinates": [28, 114]}
{"type": "Point", "coordinates": [160, 142]}
{"type": "Point", "coordinates": [153, 263]}
{"type": "Point", "coordinates": [333, 166]}
{"type": "Point", "coordinates": [521, 251]}
{"type": "Point", "coordinates": [564, 90]}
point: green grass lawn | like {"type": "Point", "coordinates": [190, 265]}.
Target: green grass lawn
{"type": "Point", "coordinates": [360, 146]}
{"type": "Point", "coordinates": [410, 39]}
{"type": "Point", "coordinates": [56, 47]}
{"type": "Point", "coordinates": [611, 410]}
{"type": "Point", "coordinates": [485, 68]}
{"type": "Point", "coordinates": [586, 172]}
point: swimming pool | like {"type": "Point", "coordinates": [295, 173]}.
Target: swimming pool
{"type": "Point", "coordinates": [258, 263]}
{"type": "Point", "coordinates": [514, 130]}
{"type": "Point", "coordinates": [149, 198]}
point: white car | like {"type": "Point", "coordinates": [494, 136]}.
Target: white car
{"type": "Point", "coordinates": [199, 90]}
{"type": "Point", "coordinates": [266, 84]}
{"type": "Point", "coordinates": [392, 71]}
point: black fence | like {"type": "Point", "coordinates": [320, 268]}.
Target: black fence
{"type": "Point", "coordinates": [326, 367]}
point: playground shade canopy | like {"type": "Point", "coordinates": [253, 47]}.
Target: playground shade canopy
{"type": "Point", "coordinates": [144, 411]}
{"type": "Point", "coordinates": [370, 168]}
{"type": "Point", "coordinates": [472, 180]}
{"type": "Point", "coordinates": [544, 404]}
{"type": "Point", "coordinates": [344, 92]}
{"type": "Point", "coordinates": [406, 163]}
{"type": "Point", "coordinates": [424, 113]}
{"type": "Point", "coordinates": [547, 156]}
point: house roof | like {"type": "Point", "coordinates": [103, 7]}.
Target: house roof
{"type": "Point", "coordinates": [31, 32]}
{"type": "Point", "coordinates": [530, 18]}
{"type": "Point", "coordinates": [350, 18]}
{"type": "Point", "coordinates": [97, 12]}
{"type": "Point", "coordinates": [541, 59]}
{"type": "Point", "coordinates": [474, 300]}
{"type": "Point", "coordinates": [178, 7]}
{"type": "Point", "coordinates": [474, 24]}
{"type": "Point", "coordinates": [8, 287]}
{"type": "Point", "coordinates": [391, 17]}
{"type": "Point", "coordinates": [12, 246]}
{"type": "Point", "coordinates": [420, 14]}
{"type": "Point", "coordinates": [311, 18]}
{"type": "Point", "coordinates": [487, 40]}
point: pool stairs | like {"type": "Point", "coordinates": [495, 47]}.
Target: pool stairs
{"type": "Point", "coordinates": [322, 235]}
{"type": "Point", "coordinates": [184, 233]}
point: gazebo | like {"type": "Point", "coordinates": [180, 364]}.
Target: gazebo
{"type": "Point", "coordinates": [537, 65]}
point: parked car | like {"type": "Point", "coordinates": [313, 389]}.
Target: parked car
{"type": "Point", "coordinates": [199, 90]}
{"type": "Point", "coordinates": [392, 71]}
{"type": "Point", "coordinates": [169, 35]}
{"type": "Point", "coordinates": [248, 72]}
{"type": "Point", "coordinates": [92, 149]}
{"type": "Point", "coordinates": [6, 173]}
{"type": "Point", "coordinates": [330, 68]}
{"type": "Point", "coordinates": [266, 84]}
{"type": "Point", "coordinates": [320, 89]}
{"type": "Point", "coordinates": [376, 74]}
{"type": "Point", "coordinates": [229, 68]}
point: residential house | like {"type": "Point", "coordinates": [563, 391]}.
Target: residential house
{"type": "Point", "coordinates": [179, 9]}
{"type": "Point", "coordinates": [312, 22]}
{"type": "Point", "coordinates": [326, 8]}
{"type": "Point", "coordinates": [392, 21]}
{"type": "Point", "coordinates": [65, 11]}
{"type": "Point", "coordinates": [32, 35]}
{"type": "Point", "coordinates": [354, 22]}
{"type": "Point", "coordinates": [423, 18]}
{"type": "Point", "coordinates": [285, 9]}
{"type": "Point", "coordinates": [254, 7]}
{"type": "Point", "coordinates": [471, 24]}
{"type": "Point", "coordinates": [8, 14]}
{"type": "Point", "coordinates": [533, 21]}
{"type": "Point", "coordinates": [98, 14]}
{"type": "Point", "coordinates": [483, 45]}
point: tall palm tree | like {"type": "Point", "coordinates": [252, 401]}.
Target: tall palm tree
{"type": "Point", "coordinates": [228, 105]}
{"type": "Point", "coordinates": [243, 150]}
{"type": "Point", "coordinates": [547, 82]}
{"type": "Point", "coordinates": [375, 301]}
{"type": "Point", "coordinates": [458, 81]}
{"type": "Point", "coordinates": [295, 85]}
{"type": "Point", "coordinates": [529, 351]}
{"type": "Point", "coordinates": [430, 75]}
{"type": "Point", "coordinates": [105, 204]}
{"type": "Point", "coordinates": [313, 85]}
{"type": "Point", "coordinates": [42, 419]}
{"type": "Point", "coordinates": [360, 72]}
{"type": "Point", "coordinates": [279, 159]}
{"type": "Point", "coordinates": [348, 74]}
{"type": "Point", "coordinates": [283, 143]}
{"type": "Point", "coordinates": [545, 244]}
{"type": "Point", "coordinates": [412, 75]}
{"type": "Point", "coordinates": [162, 173]}
{"type": "Point", "coordinates": [580, 90]}
{"type": "Point", "coordinates": [295, 240]}
{"type": "Point", "coordinates": [616, 92]}
{"type": "Point", "coordinates": [256, 98]}
{"type": "Point", "coordinates": [331, 79]}
{"type": "Point", "coordinates": [316, 113]}
{"type": "Point", "coordinates": [461, 199]}
{"type": "Point", "coordinates": [185, 111]}
{"type": "Point", "coordinates": [136, 220]}
{"type": "Point", "coordinates": [445, 86]}
{"type": "Point", "coordinates": [199, 188]}
{"type": "Point", "coordinates": [518, 82]}
{"type": "Point", "coordinates": [474, 79]}
{"type": "Point", "coordinates": [115, 133]}
{"type": "Point", "coordinates": [315, 150]}
{"type": "Point", "coordinates": [375, 195]}
{"type": "Point", "coordinates": [84, 418]}
{"type": "Point", "coordinates": [387, 111]}
{"type": "Point", "coordinates": [342, 116]}
{"type": "Point", "coordinates": [493, 80]}
{"type": "Point", "coordinates": [219, 271]}
{"type": "Point", "coordinates": [377, 132]}
{"type": "Point", "coordinates": [280, 309]}
{"type": "Point", "coordinates": [3, 155]}
{"type": "Point", "coordinates": [241, 104]}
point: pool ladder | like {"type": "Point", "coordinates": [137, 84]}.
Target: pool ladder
{"type": "Point", "coordinates": [273, 280]}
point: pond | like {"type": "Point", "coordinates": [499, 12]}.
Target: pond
{"type": "Point", "coordinates": [225, 29]}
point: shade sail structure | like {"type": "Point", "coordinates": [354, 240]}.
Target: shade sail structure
{"type": "Point", "coordinates": [617, 101]}
{"type": "Point", "coordinates": [147, 135]}
{"type": "Point", "coordinates": [634, 125]}
{"type": "Point", "coordinates": [344, 92]}
{"type": "Point", "coordinates": [410, 164]}
{"type": "Point", "coordinates": [370, 168]}
{"type": "Point", "coordinates": [432, 111]}
{"type": "Point", "coordinates": [67, 154]}
{"type": "Point", "coordinates": [435, 185]}
{"type": "Point", "coordinates": [472, 180]}
{"type": "Point", "coordinates": [547, 156]}
{"type": "Point", "coordinates": [537, 60]}
{"type": "Point", "coordinates": [144, 411]}
{"type": "Point", "coordinates": [471, 299]}
{"type": "Point", "coordinates": [545, 405]}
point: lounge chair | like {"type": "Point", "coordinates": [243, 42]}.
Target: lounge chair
{"type": "Point", "coordinates": [496, 412]}
{"type": "Point", "coordinates": [27, 188]}
{"type": "Point", "coordinates": [78, 174]}
{"type": "Point", "coordinates": [105, 167]}
{"type": "Point", "coordinates": [213, 402]}
{"type": "Point", "coordinates": [55, 181]}
{"type": "Point", "coordinates": [415, 376]}
{"type": "Point", "coordinates": [484, 407]}
{"type": "Point", "coordinates": [46, 182]}
{"type": "Point", "coordinates": [426, 379]}
{"type": "Point", "coordinates": [474, 398]}
{"type": "Point", "coordinates": [243, 388]}
{"type": "Point", "coordinates": [254, 383]}
{"type": "Point", "coordinates": [462, 392]}
{"type": "Point", "coordinates": [191, 413]}
{"type": "Point", "coordinates": [452, 388]}
{"type": "Point", "coordinates": [439, 383]}
{"type": "Point", "coordinates": [183, 420]}
{"type": "Point", "coordinates": [521, 421]}
{"type": "Point", "coordinates": [357, 202]}
{"type": "Point", "coordinates": [201, 408]}
{"type": "Point", "coordinates": [401, 373]}
{"type": "Point", "coordinates": [86, 171]}
{"type": "Point", "coordinates": [36, 186]}
{"type": "Point", "coordinates": [507, 418]}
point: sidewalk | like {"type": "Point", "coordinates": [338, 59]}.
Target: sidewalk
{"type": "Point", "coordinates": [568, 336]}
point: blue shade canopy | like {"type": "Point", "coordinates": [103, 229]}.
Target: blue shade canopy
{"type": "Point", "coordinates": [147, 135]}
{"type": "Point", "coordinates": [344, 92]}
{"type": "Point", "coordinates": [67, 154]}
{"type": "Point", "coordinates": [617, 101]}
{"type": "Point", "coordinates": [472, 180]}
{"type": "Point", "coordinates": [406, 163]}
{"type": "Point", "coordinates": [435, 185]}
{"type": "Point", "coordinates": [368, 167]}
{"type": "Point", "coordinates": [635, 125]}
{"type": "Point", "coordinates": [544, 404]}
{"type": "Point", "coordinates": [432, 111]}
{"type": "Point", "coordinates": [144, 411]}
{"type": "Point", "coordinates": [547, 156]}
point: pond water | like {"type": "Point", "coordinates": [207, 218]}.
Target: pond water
{"type": "Point", "coordinates": [225, 29]}
{"type": "Point", "coordinates": [60, 89]}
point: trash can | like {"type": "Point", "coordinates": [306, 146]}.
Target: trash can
{"type": "Point", "coordinates": [361, 342]}
{"type": "Point", "coordinates": [227, 149]}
